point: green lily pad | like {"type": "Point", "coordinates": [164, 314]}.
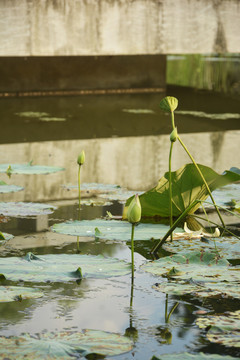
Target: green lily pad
{"type": "Point", "coordinates": [5, 188]}
{"type": "Point", "coordinates": [29, 169]}
{"type": "Point", "coordinates": [225, 195]}
{"type": "Point", "coordinates": [18, 209]}
{"type": "Point", "coordinates": [61, 267]}
{"type": "Point", "coordinates": [187, 187]}
{"type": "Point", "coordinates": [18, 293]}
{"type": "Point", "coordinates": [203, 290]}
{"type": "Point", "coordinates": [101, 188]}
{"type": "Point", "coordinates": [111, 229]}
{"type": "Point", "coordinates": [64, 345]}
{"type": "Point", "coordinates": [32, 114]}
{"type": "Point", "coordinates": [227, 247]}
{"type": "Point", "coordinates": [222, 329]}
{"type": "Point", "coordinates": [187, 356]}
{"type": "Point", "coordinates": [197, 265]}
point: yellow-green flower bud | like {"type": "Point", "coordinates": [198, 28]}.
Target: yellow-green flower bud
{"type": "Point", "coordinates": [81, 158]}
{"type": "Point", "coordinates": [174, 135]}
{"type": "Point", "coordinates": [169, 103]}
{"type": "Point", "coordinates": [134, 210]}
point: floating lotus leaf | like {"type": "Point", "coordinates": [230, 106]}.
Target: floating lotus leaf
{"type": "Point", "coordinates": [63, 345]}
{"type": "Point", "coordinates": [5, 188]}
{"type": "Point", "coordinates": [101, 188]}
{"type": "Point", "coordinates": [198, 289]}
{"type": "Point", "coordinates": [199, 265]}
{"type": "Point", "coordinates": [25, 209]}
{"type": "Point", "coordinates": [139, 111]}
{"type": "Point", "coordinates": [28, 169]}
{"type": "Point", "coordinates": [227, 247]}
{"type": "Point", "coordinates": [111, 229]}
{"type": "Point", "coordinates": [18, 293]}
{"type": "Point", "coordinates": [222, 329]}
{"type": "Point", "coordinates": [226, 196]}
{"type": "Point", "coordinates": [61, 267]}
{"type": "Point", "coordinates": [187, 187]}
{"type": "Point", "coordinates": [32, 114]}
{"type": "Point", "coordinates": [187, 356]}
{"type": "Point", "coordinates": [202, 114]}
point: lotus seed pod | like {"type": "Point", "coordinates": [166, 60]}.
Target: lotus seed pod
{"type": "Point", "coordinates": [134, 210]}
{"type": "Point", "coordinates": [174, 135]}
{"type": "Point", "coordinates": [169, 104]}
{"type": "Point", "coordinates": [81, 158]}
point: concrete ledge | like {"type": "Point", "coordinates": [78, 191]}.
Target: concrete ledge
{"type": "Point", "coordinates": [19, 74]}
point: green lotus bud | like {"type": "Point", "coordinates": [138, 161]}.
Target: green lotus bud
{"type": "Point", "coordinates": [134, 210]}
{"type": "Point", "coordinates": [174, 135]}
{"type": "Point", "coordinates": [169, 103]}
{"type": "Point", "coordinates": [81, 158]}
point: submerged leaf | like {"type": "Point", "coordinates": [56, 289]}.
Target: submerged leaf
{"type": "Point", "coordinates": [222, 329]}
{"type": "Point", "coordinates": [111, 229]}
{"type": "Point", "coordinates": [64, 345]}
{"type": "Point", "coordinates": [61, 267]}
{"type": "Point", "coordinates": [18, 293]}
{"type": "Point", "coordinates": [29, 169]}
{"type": "Point", "coordinates": [187, 186]}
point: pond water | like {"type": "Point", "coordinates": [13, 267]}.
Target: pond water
{"type": "Point", "coordinates": [126, 141]}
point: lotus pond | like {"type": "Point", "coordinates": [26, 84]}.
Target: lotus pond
{"type": "Point", "coordinates": [67, 289]}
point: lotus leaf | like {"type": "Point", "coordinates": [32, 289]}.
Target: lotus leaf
{"type": "Point", "coordinates": [197, 265]}
{"type": "Point", "coordinates": [187, 186]}
{"type": "Point", "coordinates": [5, 188]}
{"type": "Point", "coordinates": [25, 209]}
{"type": "Point", "coordinates": [63, 345]}
{"type": "Point", "coordinates": [61, 267]}
{"type": "Point", "coordinates": [202, 114]}
{"type": "Point", "coordinates": [18, 293]}
{"type": "Point", "coordinates": [100, 188]}
{"type": "Point", "coordinates": [29, 169]}
{"type": "Point", "coordinates": [111, 229]}
{"type": "Point", "coordinates": [226, 196]}
{"type": "Point", "coordinates": [138, 111]}
{"type": "Point", "coordinates": [227, 247]}
{"type": "Point", "coordinates": [187, 356]}
{"type": "Point", "coordinates": [222, 329]}
{"type": "Point", "coordinates": [200, 289]}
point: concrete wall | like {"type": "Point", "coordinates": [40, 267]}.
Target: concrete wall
{"type": "Point", "coordinates": [118, 27]}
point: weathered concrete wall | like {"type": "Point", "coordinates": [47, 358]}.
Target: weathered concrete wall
{"type": "Point", "coordinates": [118, 27]}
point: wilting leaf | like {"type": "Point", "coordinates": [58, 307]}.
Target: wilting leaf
{"type": "Point", "coordinates": [29, 169]}
{"type": "Point", "coordinates": [111, 229]}
{"type": "Point", "coordinates": [188, 356]}
{"type": "Point", "coordinates": [187, 186]}
{"type": "Point", "coordinates": [61, 267]}
{"type": "Point", "coordinates": [227, 247]}
{"type": "Point", "coordinates": [18, 293]}
{"type": "Point", "coordinates": [198, 265]}
{"type": "Point", "coordinates": [200, 289]}
{"type": "Point", "coordinates": [222, 329]}
{"type": "Point", "coordinates": [25, 209]}
{"type": "Point", "coordinates": [63, 345]}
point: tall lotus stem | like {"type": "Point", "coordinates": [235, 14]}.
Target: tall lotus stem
{"type": "Point", "coordinates": [134, 216]}
{"type": "Point", "coordinates": [203, 179]}
{"type": "Point", "coordinates": [169, 104]}
{"type": "Point", "coordinates": [80, 161]}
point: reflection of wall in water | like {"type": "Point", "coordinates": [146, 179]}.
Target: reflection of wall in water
{"type": "Point", "coordinates": [133, 162]}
